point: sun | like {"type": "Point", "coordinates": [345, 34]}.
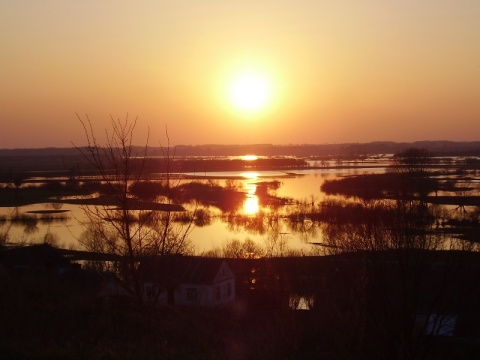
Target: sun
{"type": "Point", "coordinates": [250, 92]}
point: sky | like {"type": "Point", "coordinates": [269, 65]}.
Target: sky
{"type": "Point", "coordinates": [240, 72]}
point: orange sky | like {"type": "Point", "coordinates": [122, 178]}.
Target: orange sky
{"type": "Point", "coordinates": [340, 71]}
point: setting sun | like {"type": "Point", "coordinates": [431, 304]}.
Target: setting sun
{"type": "Point", "coordinates": [250, 92]}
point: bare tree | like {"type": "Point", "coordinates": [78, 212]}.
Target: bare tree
{"type": "Point", "coordinates": [120, 223]}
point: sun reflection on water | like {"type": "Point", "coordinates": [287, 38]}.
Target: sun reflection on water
{"type": "Point", "coordinates": [249, 157]}
{"type": "Point", "coordinates": [251, 206]}
{"type": "Point", "coordinates": [250, 175]}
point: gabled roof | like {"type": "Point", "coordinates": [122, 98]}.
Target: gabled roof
{"type": "Point", "coordinates": [182, 269]}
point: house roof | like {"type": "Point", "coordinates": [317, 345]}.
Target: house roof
{"type": "Point", "coordinates": [184, 269]}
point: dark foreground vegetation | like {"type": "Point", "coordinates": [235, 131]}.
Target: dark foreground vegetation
{"type": "Point", "coordinates": [355, 306]}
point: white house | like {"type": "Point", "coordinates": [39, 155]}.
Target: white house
{"type": "Point", "coordinates": [188, 281]}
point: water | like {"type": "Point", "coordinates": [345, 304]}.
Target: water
{"type": "Point", "coordinates": [299, 185]}
{"type": "Point", "coordinates": [278, 236]}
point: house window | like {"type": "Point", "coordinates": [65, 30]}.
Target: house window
{"type": "Point", "coordinates": [441, 325]}
{"type": "Point", "coordinates": [191, 294]}
{"type": "Point", "coordinates": [218, 293]}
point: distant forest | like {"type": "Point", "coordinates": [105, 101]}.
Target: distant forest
{"type": "Point", "coordinates": [437, 148]}
{"type": "Point", "coordinates": [60, 159]}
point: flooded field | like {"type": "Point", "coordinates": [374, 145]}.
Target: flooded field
{"type": "Point", "coordinates": [251, 219]}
